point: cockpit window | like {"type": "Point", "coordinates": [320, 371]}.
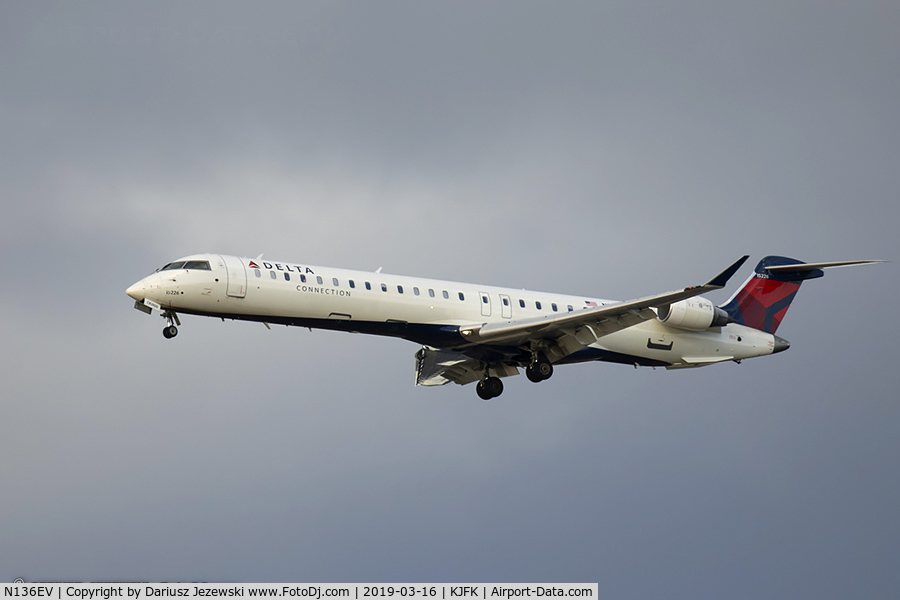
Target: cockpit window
{"type": "Point", "coordinates": [201, 265]}
{"type": "Point", "coordinates": [173, 265]}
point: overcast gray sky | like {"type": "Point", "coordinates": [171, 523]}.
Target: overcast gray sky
{"type": "Point", "coordinates": [610, 149]}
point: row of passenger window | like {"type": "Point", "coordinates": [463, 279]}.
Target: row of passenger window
{"type": "Point", "coordinates": [539, 306]}
{"type": "Point", "coordinates": [335, 282]}
{"type": "Point", "coordinates": [416, 292]}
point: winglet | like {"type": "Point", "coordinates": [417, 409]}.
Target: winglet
{"type": "Point", "coordinates": [722, 278]}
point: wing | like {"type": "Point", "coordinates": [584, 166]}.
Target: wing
{"type": "Point", "coordinates": [575, 330]}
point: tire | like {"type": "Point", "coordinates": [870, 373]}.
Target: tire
{"type": "Point", "coordinates": [539, 370]}
{"type": "Point", "coordinates": [543, 368]}
{"type": "Point", "coordinates": [532, 375]}
{"type": "Point", "coordinates": [493, 386]}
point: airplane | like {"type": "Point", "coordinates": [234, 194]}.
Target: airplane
{"type": "Point", "coordinates": [473, 333]}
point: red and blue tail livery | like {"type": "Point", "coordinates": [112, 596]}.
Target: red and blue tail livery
{"type": "Point", "coordinates": [477, 333]}
{"type": "Point", "coordinates": [765, 298]}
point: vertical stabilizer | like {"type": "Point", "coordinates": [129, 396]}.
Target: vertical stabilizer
{"type": "Point", "coordinates": [766, 296]}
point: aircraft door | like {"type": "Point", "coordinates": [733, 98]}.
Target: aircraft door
{"type": "Point", "coordinates": [485, 304]}
{"type": "Point", "coordinates": [237, 277]}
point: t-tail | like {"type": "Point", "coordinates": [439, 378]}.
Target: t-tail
{"type": "Point", "coordinates": [767, 295]}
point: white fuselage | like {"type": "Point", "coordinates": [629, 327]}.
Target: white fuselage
{"type": "Point", "coordinates": [426, 311]}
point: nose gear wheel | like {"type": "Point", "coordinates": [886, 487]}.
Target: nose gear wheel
{"type": "Point", "coordinates": [170, 330]}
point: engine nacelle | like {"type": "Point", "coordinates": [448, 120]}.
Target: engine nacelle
{"type": "Point", "coordinates": [693, 314]}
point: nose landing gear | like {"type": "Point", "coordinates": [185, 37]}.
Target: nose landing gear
{"type": "Point", "coordinates": [170, 331]}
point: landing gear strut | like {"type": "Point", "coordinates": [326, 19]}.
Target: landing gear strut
{"type": "Point", "coordinates": [170, 331]}
{"type": "Point", "coordinates": [539, 369]}
{"type": "Point", "coordinates": [488, 388]}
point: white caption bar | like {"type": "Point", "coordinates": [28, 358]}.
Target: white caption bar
{"type": "Point", "coordinates": [316, 591]}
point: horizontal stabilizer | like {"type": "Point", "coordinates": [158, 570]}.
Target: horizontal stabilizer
{"type": "Point", "coordinates": [822, 265]}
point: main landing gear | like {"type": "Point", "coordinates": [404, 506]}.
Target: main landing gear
{"type": "Point", "coordinates": [170, 331]}
{"type": "Point", "coordinates": [539, 369]}
{"type": "Point", "coordinates": [488, 388]}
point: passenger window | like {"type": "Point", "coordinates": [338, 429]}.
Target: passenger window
{"type": "Point", "coordinates": [334, 281]}
{"type": "Point", "coordinates": [368, 286]}
{"type": "Point", "coordinates": [416, 291]}
{"type": "Point", "coordinates": [521, 303]}
{"type": "Point", "coordinates": [483, 299]}
{"type": "Point", "coordinates": [399, 289]}
{"type": "Point", "coordinates": [446, 295]}
{"type": "Point", "coordinates": [258, 272]}
{"type": "Point", "coordinates": [383, 287]}
{"type": "Point", "coordinates": [287, 276]}
{"type": "Point", "coordinates": [537, 304]}
{"type": "Point", "coordinates": [352, 284]}
{"type": "Point", "coordinates": [553, 306]}
{"type": "Point", "coordinates": [303, 278]}
{"type": "Point", "coordinates": [319, 279]}
{"type": "Point", "coordinates": [431, 292]}
{"type": "Point", "coordinates": [506, 302]}
{"type": "Point", "coordinates": [570, 308]}
{"type": "Point", "coordinates": [461, 297]}
{"type": "Point", "coordinates": [272, 273]}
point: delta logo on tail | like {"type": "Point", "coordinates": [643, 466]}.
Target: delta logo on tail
{"type": "Point", "coordinates": [764, 300]}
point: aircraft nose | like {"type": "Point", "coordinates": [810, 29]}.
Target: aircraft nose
{"type": "Point", "coordinates": [137, 290]}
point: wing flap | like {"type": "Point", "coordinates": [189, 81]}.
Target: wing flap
{"type": "Point", "coordinates": [440, 367]}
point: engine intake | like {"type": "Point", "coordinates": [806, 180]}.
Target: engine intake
{"type": "Point", "coordinates": [693, 314]}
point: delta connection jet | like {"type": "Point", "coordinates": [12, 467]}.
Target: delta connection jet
{"type": "Point", "coordinates": [479, 333]}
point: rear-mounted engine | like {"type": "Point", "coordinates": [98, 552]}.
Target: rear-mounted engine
{"type": "Point", "coordinates": [693, 314]}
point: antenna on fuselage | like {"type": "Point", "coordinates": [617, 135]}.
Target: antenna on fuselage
{"type": "Point", "coordinates": [378, 270]}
